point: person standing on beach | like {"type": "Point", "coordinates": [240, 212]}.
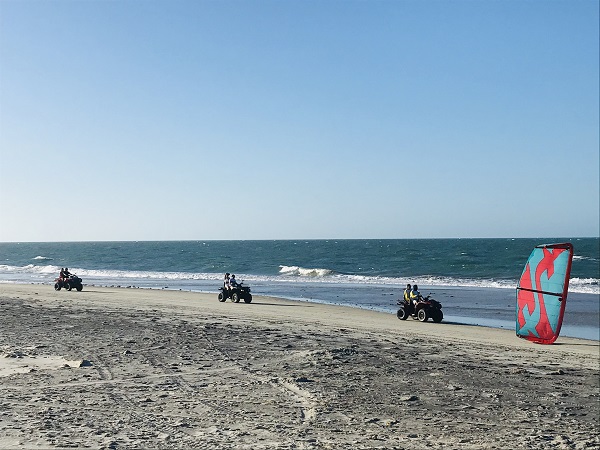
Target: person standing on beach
{"type": "Point", "coordinates": [226, 281]}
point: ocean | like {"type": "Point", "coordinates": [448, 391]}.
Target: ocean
{"type": "Point", "coordinates": [474, 279]}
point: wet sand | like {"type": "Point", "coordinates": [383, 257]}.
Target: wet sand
{"type": "Point", "coordinates": [134, 368]}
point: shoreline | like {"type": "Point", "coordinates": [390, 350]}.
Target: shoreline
{"type": "Point", "coordinates": [479, 306]}
{"type": "Point", "coordinates": [178, 369]}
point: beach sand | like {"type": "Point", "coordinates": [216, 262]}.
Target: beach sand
{"type": "Point", "coordinates": [132, 368]}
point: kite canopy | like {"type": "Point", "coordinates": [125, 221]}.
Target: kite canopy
{"type": "Point", "coordinates": [542, 293]}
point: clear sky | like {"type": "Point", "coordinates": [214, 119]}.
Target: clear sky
{"type": "Point", "coordinates": [257, 119]}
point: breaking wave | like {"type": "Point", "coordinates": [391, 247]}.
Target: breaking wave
{"type": "Point", "coordinates": [303, 272]}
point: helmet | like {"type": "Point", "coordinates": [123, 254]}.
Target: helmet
{"type": "Point", "coordinates": [226, 273]}
{"type": "Point", "coordinates": [66, 268]}
{"type": "Point", "coordinates": [408, 286]}
{"type": "Point", "coordinates": [415, 287]}
{"type": "Point", "coordinates": [232, 276]}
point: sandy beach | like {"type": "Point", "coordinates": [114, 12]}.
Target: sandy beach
{"type": "Point", "coordinates": [133, 368]}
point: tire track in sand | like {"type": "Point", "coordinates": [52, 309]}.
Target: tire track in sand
{"type": "Point", "coordinates": [308, 405]}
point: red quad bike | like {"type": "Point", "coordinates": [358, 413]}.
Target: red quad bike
{"type": "Point", "coordinates": [425, 308]}
{"type": "Point", "coordinates": [236, 294]}
{"type": "Point", "coordinates": [68, 283]}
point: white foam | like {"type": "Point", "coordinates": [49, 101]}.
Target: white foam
{"type": "Point", "coordinates": [304, 272]}
{"type": "Point", "coordinates": [584, 258]}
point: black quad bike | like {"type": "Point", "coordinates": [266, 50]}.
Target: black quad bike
{"type": "Point", "coordinates": [426, 308]}
{"type": "Point", "coordinates": [237, 293]}
{"type": "Point", "coordinates": [68, 283]}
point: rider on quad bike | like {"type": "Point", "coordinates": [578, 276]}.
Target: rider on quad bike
{"type": "Point", "coordinates": [67, 280]}
{"type": "Point", "coordinates": [419, 307]}
{"type": "Point", "coordinates": [234, 290]}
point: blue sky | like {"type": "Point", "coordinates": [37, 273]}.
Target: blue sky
{"type": "Point", "coordinates": [160, 120]}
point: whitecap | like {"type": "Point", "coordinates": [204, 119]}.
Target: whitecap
{"type": "Point", "coordinates": [583, 258]}
{"type": "Point", "coordinates": [304, 272]}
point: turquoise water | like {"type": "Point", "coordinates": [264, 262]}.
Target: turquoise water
{"type": "Point", "coordinates": [474, 278]}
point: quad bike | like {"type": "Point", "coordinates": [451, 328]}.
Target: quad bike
{"type": "Point", "coordinates": [69, 283]}
{"type": "Point", "coordinates": [237, 293]}
{"type": "Point", "coordinates": [425, 308]}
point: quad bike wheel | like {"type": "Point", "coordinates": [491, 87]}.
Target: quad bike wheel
{"type": "Point", "coordinates": [402, 314]}
{"type": "Point", "coordinates": [422, 315]}
{"type": "Point", "coordinates": [221, 297]}
{"type": "Point", "coordinates": [248, 299]}
{"type": "Point", "coordinates": [438, 316]}
{"type": "Point", "coordinates": [68, 286]}
{"type": "Point", "coordinates": [57, 287]}
{"type": "Point", "coordinates": [235, 298]}
{"type": "Point", "coordinates": [79, 288]}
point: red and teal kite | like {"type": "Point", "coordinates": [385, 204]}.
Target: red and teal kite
{"type": "Point", "coordinates": [542, 293]}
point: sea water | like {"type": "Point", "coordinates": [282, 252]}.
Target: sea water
{"type": "Point", "coordinates": [475, 279]}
